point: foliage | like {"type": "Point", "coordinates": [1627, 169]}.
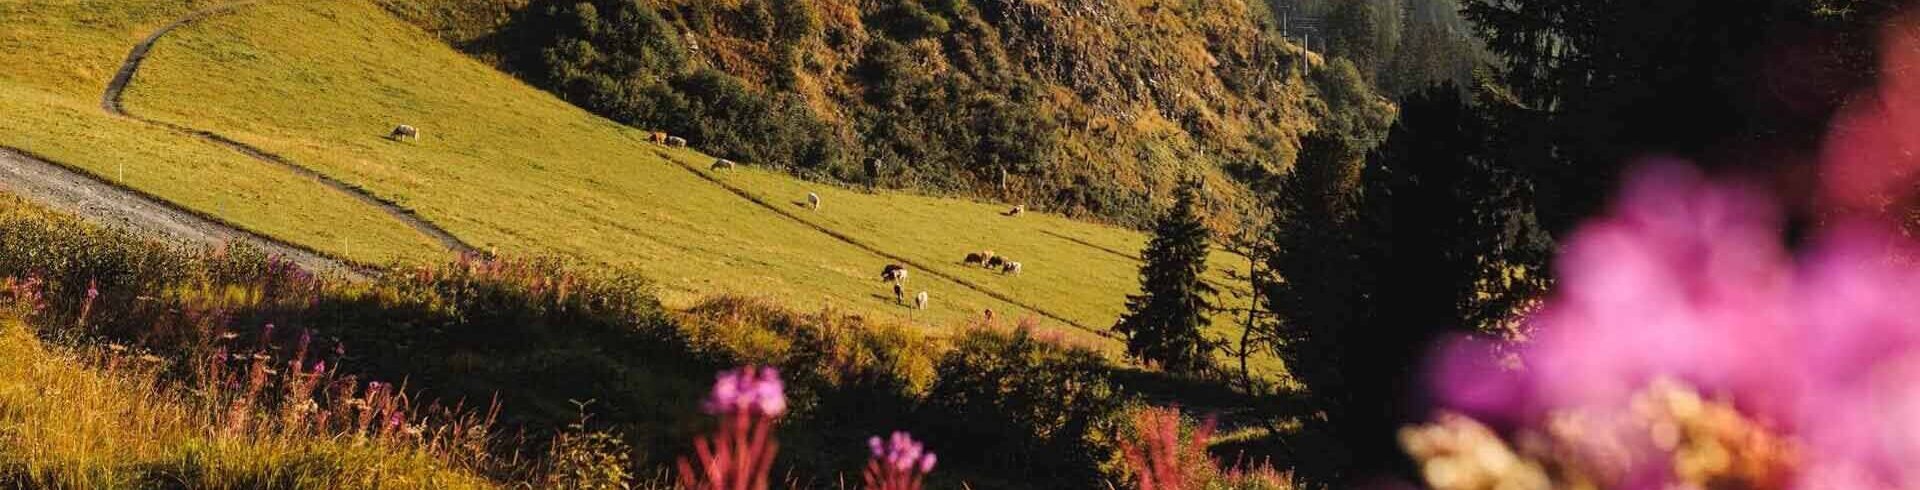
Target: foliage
{"type": "Point", "coordinates": [1320, 283]}
{"type": "Point", "coordinates": [1023, 405]}
{"type": "Point", "coordinates": [623, 59]}
{"type": "Point", "coordinates": [586, 459]}
{"type": "Point", "coordinates": [1401, 46]}
{"type": "Point", "coordinates": [1166, 452]}
{"type": "Point", "coordinates": [1163, 324]}
{"type": "Point", "coordinates": [1082, 112]}
{"type": "Point", "coordinates": [1594, 103]}
{"type": "Point", "coordinates": [1433, 235]}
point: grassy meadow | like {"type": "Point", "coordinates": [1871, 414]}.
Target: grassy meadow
{"type": "Point", "coordinates": [59, 56]}
{"type": "Point", "coordinates": [506, 166]}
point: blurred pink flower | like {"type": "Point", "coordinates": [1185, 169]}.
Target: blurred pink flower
{"type": "Point", "coordinates": [754, 389]}
{"type": "Point", "coordinates": [1686, 279]}
{"type": "Point", "coordinates": [748, 402]}
{"type": "Point", "coordinates": [898, 463]}
{"type": "Point", "coordinates": [1871, 157]}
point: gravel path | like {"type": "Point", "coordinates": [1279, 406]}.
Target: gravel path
{"type": "Point", "coordinates": [60, 187]}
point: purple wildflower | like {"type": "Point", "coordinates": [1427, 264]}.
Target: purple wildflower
{"type": "Point", "coordinates": [1687, 280]}
{"type": "Point", "coordinates": [898, 463]}
{"type": "Point", "coordinates": [757, 390]}
{"type": "Point", "coordinates": [748, 402]}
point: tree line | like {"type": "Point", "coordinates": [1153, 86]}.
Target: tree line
{"type": "Point", "coordinates": [1380, 243]}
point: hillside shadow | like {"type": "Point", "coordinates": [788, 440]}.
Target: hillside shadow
{"type": "Point", "coordinates": [1092, 245]}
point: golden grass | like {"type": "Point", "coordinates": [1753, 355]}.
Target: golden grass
{"type": "Point", "coordinates": [65, 424]}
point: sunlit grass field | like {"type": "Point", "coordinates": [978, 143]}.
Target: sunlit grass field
{"type": "Point", "coordinates": [507, 166]}
{"type": "Point", "coordinates": [59, 56]}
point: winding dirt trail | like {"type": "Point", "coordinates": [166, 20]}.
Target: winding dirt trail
{"type": "Point", "coordinates": [111, 102]}
{"type": "Point", "coordinates": [75, 192]}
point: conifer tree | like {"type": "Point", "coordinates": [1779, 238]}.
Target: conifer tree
{"type": "Point", "coordinates": [1163, 323]}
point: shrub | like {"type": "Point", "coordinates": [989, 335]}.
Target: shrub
{"type": "Point", "coordinates": [1010, 402]}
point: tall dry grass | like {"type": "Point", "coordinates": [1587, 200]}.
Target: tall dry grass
{"type": "Point", "coordinates": [107, 418]}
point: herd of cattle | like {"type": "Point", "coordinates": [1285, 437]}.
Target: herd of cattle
{"type": "Point", "coordinates": [897, 274]}
{"type": "Point", "coordinates": [892, 273]}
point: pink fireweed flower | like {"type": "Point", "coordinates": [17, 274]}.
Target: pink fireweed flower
{"type": "Point", "coordinates": [1686, 279]}
{"type": "Point", "coordinates": [754, 389]}
{"type": "Point", "coordinates": [748, 402]}
{"type": "Point", "coordinates": [898, 463]}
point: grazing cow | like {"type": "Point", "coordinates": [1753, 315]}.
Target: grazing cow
{"type": "Point", "coordinates": [677, 141]}
{"type": "Point", "coordinates": [1017, 210]}
{"type": "Point", "coordinates": [721, 164]}
{"type": "Point", "coordinates": [657, 138]}
{"type": "Point", "coordinates": [920, 301]}
{"type": "Point", "coordinates": [894, 273]}
{"type": "Point", "coordinates": [899, 294]}
{"type": "Point", "coordinates": [403, 132]}
{"type": "Point", "coordinates": [813, 201]}
{"type": "Point", "coordinates": [1010, 268]}
{"type": "Point", "coordinates": [996, 262]}
{"type": "Point", "coordinates": [975, 258]}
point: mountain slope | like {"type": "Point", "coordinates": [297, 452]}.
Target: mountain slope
{"type": "Point", "coordinates": [504, 165]}
{"type": "Point", "coordinates": [1091, 108]}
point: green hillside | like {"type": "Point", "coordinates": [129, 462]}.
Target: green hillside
{"type": "Point", "coordinates": [503, 165]}
{"type": "Point", "coordinates": [59, 56]}
{"type": "Point", "coordinates": [1091, 109]}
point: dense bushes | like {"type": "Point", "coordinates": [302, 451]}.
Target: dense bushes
{"type": "Point", "coordinates": [623, 60]}
{"type": "Point", "coordinates": [999, 403]}
{"type": "Point", "coordinates": [1019, 405]}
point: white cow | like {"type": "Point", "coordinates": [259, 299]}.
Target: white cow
{"type": "Point", "coordinates": [920, 301]}
{"type": "Point", "coordinates": [813, 201]}
{"type": "Point", "coordinates": [403, 132]}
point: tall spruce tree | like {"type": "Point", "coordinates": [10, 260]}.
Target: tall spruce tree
{"type": "Point", "coordinates": [1163, 324]}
